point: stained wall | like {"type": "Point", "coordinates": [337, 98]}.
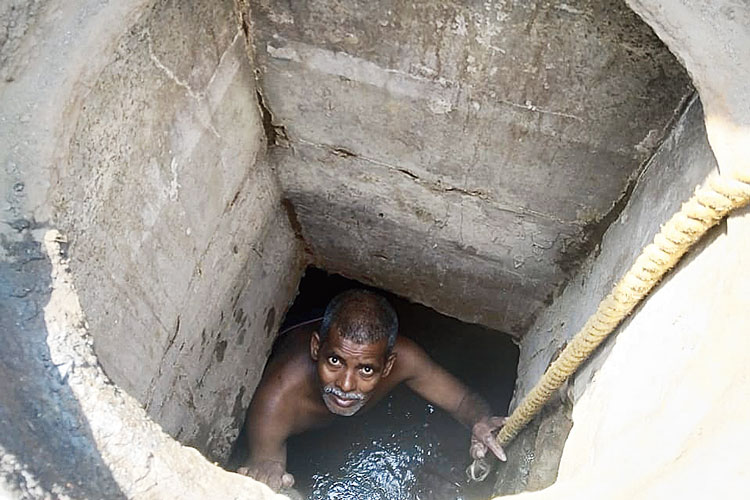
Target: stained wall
{"type": "Point", "coordinates": [183, 256]}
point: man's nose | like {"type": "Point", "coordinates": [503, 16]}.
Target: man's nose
{"type": "Point", "coordinates": [346, 381]}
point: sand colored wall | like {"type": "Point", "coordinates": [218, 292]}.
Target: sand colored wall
{"type": "Point", "coordinates": [662, 407]}
{"type": "Point", "coordinates": [666, 414]}
{"type": "Point", "coordinates": [182, 254]}
{"type": "Point", "coordinates": [146, 151]}
{"type": "Point", "coordinates": [678, 167]}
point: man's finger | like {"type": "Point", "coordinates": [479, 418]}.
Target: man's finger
{"type": "Point", "coordinates": [274, 482]}
{"type": "Point", "coordinates": [497, 422]}
{"type": "Point", "coordinates": [477, 450]}
{"type": "Point", "coordinates": [287, 480]}
{"type": "Point", "coordinates": [495, 447]}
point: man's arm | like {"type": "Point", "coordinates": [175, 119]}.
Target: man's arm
{"type": "Point", "coordinates": [435, 384]}
{"type": "Point", "coordinates": [268, 426]}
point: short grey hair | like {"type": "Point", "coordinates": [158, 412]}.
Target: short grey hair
{"type": "Point", "coordinates": [361, 316]}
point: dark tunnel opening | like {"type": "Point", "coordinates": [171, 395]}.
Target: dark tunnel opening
{"type": "Point", "coordinates": [404, 448]}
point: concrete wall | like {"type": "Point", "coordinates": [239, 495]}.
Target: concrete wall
{"type": "Point", "coordinates": [73, 80]}
{"type": "Point", "coordinates": [679, 166]}
{"type": "Point", "coordinates": [665, 415]}
{"type": "Point", "coordinates": [478, 145]}
{"type": "Point", "coordinates": [183, 256]}
{"type": "Point", "coordinates": [666, 397]}
{"type": "Point", "coordinates": [67, 430]}
{"type": "Point", "coordinates": [669, 407]}
{"type": "Point", "coordinates": [132, 126]}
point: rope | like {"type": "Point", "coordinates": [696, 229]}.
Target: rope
{"type": "Point", "coordinates": [719, 195]}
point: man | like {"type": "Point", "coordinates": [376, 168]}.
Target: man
{"type": "Point", "coordinates": [342, 365]}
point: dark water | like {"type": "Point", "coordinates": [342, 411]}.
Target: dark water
{"type": "Point", "coordinates": [382, 470]}
{"type": "Point", "coordinates": [404, 449]}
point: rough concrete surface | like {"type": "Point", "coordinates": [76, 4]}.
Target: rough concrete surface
{"type": "Point", "coordinates": [134, 128]}
{"type": "Point", "coordinates": [512, 477]}
{"type": "Point", "coordinates": [46, 444]}
{"type": "Point", "coordinates": [554, 428]}
{"type": "Point", "coordinates": [533, 114]}
{"type": "Point", "coordinates": [712, 40]}
{"type": "Point", "coordinates": [681, 163]}
{"type": "Point", "coordinates": [69, 432]}
{"type": "Point", "coordinates": [534, 455]}
{"type": "Point", "coordinates": [172, 217]}
{"type": "Point", "coordinates": [132, 125]}
{"type": "Point", "coordinates": [669, 408]}
{"type": "Point", "coordinates": [417, 228]}
{"type": "Point", "coordinates": [663, 404]}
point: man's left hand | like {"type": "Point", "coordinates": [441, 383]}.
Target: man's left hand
{"type": "Point", "coordinates": [482, 438]}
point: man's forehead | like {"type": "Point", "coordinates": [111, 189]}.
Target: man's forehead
{"type": "Point", "coordinates": [349, 347]}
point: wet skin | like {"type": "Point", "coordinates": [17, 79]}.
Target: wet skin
{"type": "Point", "coordinates": [349, 373]}
{"type": "Point", "coordinates": [308, 384]}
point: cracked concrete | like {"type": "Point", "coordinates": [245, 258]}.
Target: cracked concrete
{"type": "Point", "coordinates": [524, 121]}
{"type": "Point", "coordinates": [431, 182]}
{"type": "Point", "coordinates": [169, 211]}
{"type": "Point", "coordinates": [441, 245]}
{"type": "Point", "coordinates": [680, 164]}
{"type": "Point", "coordinates": [100, 440]}
{"type": "Point", "coordinates": [529, 106]}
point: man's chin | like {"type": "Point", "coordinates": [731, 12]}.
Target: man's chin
{"type": "Point", "coordinates": [340, 410]}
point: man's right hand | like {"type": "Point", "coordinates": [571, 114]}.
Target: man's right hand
{"type": "Point", "coordinates": [483, 437]}
{"type": "Point", "coordinates": [271, 472]}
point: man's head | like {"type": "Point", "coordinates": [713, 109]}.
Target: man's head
{"type": "Point", "coordinates": [353, 349]}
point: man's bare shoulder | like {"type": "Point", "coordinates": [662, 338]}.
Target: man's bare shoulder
{"type": "Point", "coordinates": [290, 363]}
{"type": "Point", "coordinates": [410, 358]}
{"type": "Point", "coordinates": [408, 347]}
{"type": "Point", "coordinates": [287, 386]}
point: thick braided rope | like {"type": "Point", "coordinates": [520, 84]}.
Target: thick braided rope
{"type": "Point", "coordinates": [718, 196]}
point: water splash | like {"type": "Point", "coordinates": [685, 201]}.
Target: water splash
{"type": "Point", "coordinates": [402, 466]}
{"type": "Point", "coordinates": [381, 471]}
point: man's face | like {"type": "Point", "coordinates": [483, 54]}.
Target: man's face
{"type": "Point", "coordinates": [349, 372]}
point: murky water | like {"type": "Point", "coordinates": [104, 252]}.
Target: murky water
{"type": "Point", "coordinates": [404, 449]}
{"type": "Point", "coordinates": [382, 471]}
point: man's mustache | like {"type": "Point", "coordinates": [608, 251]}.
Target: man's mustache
{"type": "Point", "coordinates": [332, 389]}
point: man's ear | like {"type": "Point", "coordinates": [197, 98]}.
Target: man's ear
{"type": "Point", "coordinates": [389, 361]}
{"type": "Point", "coordinates": [314, 346]}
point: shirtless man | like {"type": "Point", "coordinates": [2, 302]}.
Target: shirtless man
{"type": "Point", "coordinates": [343, 364]}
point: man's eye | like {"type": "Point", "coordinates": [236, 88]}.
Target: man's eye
{"type": "Point", "coordinates": [334, 360]}
{"type": "Point", "coordinates": [367, 370]}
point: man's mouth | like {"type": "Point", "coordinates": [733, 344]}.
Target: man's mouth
{"type": "Point", "coordinates": [344, 403]}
